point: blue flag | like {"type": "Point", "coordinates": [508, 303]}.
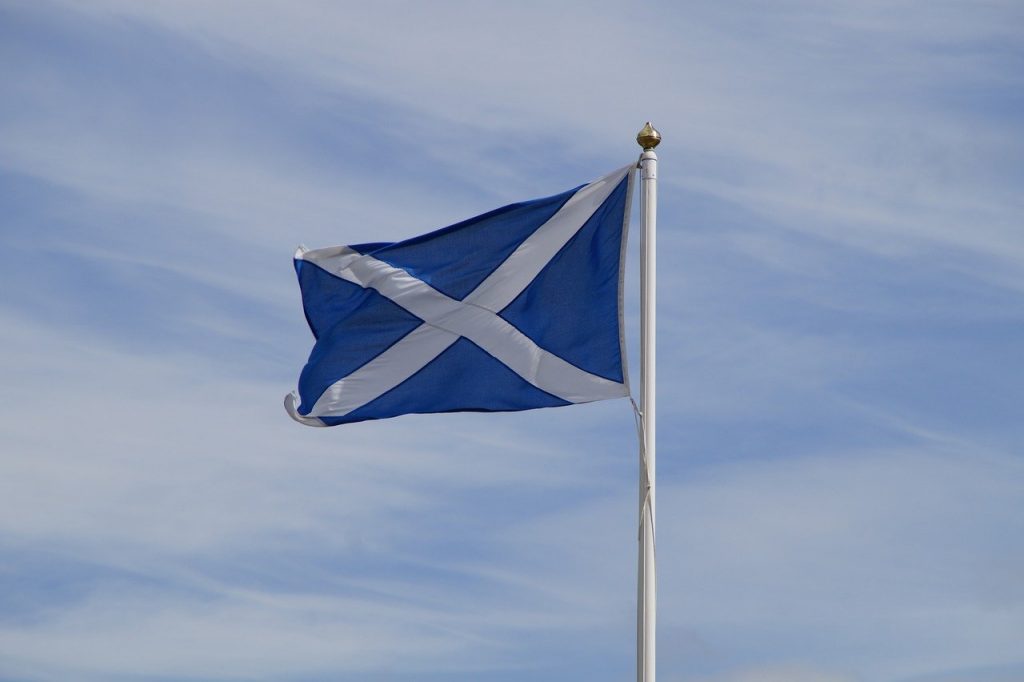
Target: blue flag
{"type": "Point", "coordinates": [516, 309]}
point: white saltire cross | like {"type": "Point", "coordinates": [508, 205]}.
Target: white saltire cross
{"type": "Point", "coordinates": [475, 317]}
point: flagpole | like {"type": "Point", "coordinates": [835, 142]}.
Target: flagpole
{"type": "Point", "coordinates": [647, 585]}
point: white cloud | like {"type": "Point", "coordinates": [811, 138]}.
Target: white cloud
{"type": "Point", "coordinates": [777, 673]}
{"type": "Point", "coordinates": [825, 119]}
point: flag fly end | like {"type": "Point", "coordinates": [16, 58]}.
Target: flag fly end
{"type": "Point", "coordinates": [290, 402]}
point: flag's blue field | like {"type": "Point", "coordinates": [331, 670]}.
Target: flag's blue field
{"type": "Point", "coordinates": [516, 309]}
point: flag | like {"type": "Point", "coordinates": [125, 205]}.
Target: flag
{"type": "Point", "coordinates": [515, 309]}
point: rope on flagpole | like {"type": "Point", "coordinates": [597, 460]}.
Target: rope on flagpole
{"type": "Point", "coordinates": [638, 421]}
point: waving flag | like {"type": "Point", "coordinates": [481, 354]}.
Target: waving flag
{"type": "Point", "coordinates": [515, 309]}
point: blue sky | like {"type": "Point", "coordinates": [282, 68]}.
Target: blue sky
{"type": "Point", "coordinates": [840, 372]}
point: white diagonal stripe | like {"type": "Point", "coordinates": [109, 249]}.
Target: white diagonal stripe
{"type": "Point", "coordinates": [447, 319]}
{"type": "Point", "coordinates": [399, 362]}
{"type": "Point", "coordinates": [524, 264]}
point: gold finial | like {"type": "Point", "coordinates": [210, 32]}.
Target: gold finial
{"type": "Point", "coordinates": [648, 137]}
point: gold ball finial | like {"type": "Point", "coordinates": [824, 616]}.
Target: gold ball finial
{"type": "Point", "coordinates": [648, 137]}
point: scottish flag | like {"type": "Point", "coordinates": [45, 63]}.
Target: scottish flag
{"type": "Point", "coordinates": [515, 309]}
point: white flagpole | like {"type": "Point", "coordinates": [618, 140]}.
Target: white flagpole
{"type": "Point", "coordinates": [647, 585]}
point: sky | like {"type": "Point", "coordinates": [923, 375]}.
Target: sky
{"type": "Point", "coordinates": [841, 270]}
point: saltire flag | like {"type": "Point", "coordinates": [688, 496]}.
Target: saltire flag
{"type": "Point", "coordinates": [516, 309]}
